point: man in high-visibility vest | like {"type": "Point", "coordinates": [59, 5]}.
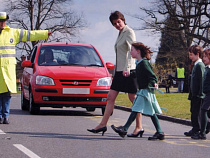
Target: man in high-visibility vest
{"type": "Point", "coordinates": [180, 76]}
{"type": "Point", "coordinates": [9, 37]}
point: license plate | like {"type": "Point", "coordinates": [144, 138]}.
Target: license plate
{"type": "Point", "coordinates": [76, 91]}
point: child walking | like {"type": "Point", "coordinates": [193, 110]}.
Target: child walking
{"type": "Point", "coordinates": [205, 109]}
{"type": "Point", "coordinates": [196, 94]}
{"type": "Point", "coordinates": [145, 102]}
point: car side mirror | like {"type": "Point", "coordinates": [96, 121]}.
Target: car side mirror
{"type": "Point", "coordinates": [110, 65]}
{"type": "Point", "coordinates": [26, 63]}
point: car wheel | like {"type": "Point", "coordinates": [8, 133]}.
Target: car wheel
{"type": "Point", "coordinates": [24, 102]}
{"type": "Point", "coordinates": [33, 109]}
{"type": "Point", "coordinates": [103, 110]}
{"type": "Point", "coordinates": [91, 109]}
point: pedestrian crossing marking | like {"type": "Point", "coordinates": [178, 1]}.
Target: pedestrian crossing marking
{"type": "Point", "coordinates": [2, 132]}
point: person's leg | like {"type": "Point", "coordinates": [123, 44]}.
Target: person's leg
{"type": "Point", "coordinates": [195, 113]}
{"type": "Point", "coordinates": [109, 108]}
{"type": "Point", "coordinates": [159, 134]}
{"type": "Point", "coordinates": [204, 121]}
{"type": "Point", "coordinates": [122, 130]}
{"type": "Point", "coordinates": [182, 85]}
{"type": "Point", "coordinates": [208, 124]}
{"type": "Point", "coordinates": [156, 123]}
{"type": "Point", "coordinates": [130, 120]}
{"type": "Point", "coordinates": [138, 127]}
{"type": "Point", "coordinates": [6, 106]}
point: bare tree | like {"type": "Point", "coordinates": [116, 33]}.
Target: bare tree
{"type": "Point", "coordinates": [53, 15]}
{"type": "Point", "coordinates": [192, 16]}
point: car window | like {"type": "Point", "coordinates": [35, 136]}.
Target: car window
{"type": "Point", "coordinates": [68, 55]}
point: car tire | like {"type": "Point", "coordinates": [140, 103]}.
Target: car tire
{"type": "Point", "coordinates": [33, 109]}
{"type": "Point", "coordinates": [24, 102]}
{"type": "Point", "coordinates": [90, 109]}
{"type": "Point", "coordinates": [103, 110]}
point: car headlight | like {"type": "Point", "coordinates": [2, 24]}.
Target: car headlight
{"type": "Point", "coordinates": [44, 80]}
{"type": "Point", "coordinates": [106, 81]}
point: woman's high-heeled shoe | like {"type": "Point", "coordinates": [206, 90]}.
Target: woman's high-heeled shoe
{"type": "Point", "coordinates": [103, 130]}
{"type": "Point", "coordinates": [136, 135]}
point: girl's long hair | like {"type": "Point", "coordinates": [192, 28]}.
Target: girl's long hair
{"type": "Point", "coordinates": [145, 51]}
{"type": "Point", "coordinates": [207, 52]}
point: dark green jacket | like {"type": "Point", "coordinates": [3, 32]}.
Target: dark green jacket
{"type": "Point", "coordinates": [206, 85]}
{"type": "Point", "coordinates": [145, 76]}
{"type": "Point", "coordinates": [196, 84]}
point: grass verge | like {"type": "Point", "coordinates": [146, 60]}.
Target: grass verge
{"type": "Point", "coordinates": [177, 104]}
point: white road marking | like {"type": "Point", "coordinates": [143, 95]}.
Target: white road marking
{"type": "Point", "coordinates": [26, 151]}
{"type": "Point", "coordinates": [2, 132]}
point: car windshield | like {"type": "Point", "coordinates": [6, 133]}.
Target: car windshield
{"type": "Point", "coordinates": [62, 55]}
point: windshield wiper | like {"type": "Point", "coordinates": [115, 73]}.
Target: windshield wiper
{"type": "Point", "coordinates": [95, 65]}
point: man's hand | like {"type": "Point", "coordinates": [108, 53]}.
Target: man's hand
{"type": "Point", "coordinates": [49, 33]}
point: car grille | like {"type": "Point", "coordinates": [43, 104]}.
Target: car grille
{"type": "Point", "coordinates": [75, 82]}
{"type": "Point", "coordinates": [75, 99]}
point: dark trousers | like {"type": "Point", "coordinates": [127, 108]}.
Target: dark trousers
{"type": "Point", "coordinates": [5, 99]}
{"type": "Point", "coordinates": [204, 121]}
{"type": "Point", "coordinates": [195, 113]}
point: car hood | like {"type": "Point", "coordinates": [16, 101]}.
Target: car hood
{"type": "Point", "coordinates": [72, 72]}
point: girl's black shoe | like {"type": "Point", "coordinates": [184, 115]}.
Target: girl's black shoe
{"type": "Point", "coordinates": [199, 136]}
{"type": "Point", "coordinates": [103, 130]}
{"type": "Point", "coordinates": [136, 135]}
{"type": "Point", "coordinates": [156, 136]}
{"type": "Point", "coordinates": [120, 130]}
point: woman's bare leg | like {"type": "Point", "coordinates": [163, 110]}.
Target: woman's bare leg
{"type": "Point", "coordinates": [112, 95]}
{"type": "Point", "coordinates": [138, 117]}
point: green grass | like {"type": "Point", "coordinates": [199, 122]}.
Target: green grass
{"type": "Point", "coordinates": [177, 104]}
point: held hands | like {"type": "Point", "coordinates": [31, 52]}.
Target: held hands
{"type": "Point", "coordinates": [156, 86]}
{"type": "Point", "coordinates": [126, 73]}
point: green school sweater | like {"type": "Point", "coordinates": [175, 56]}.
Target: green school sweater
{"type": "Point", "coordinates": [196, 84]}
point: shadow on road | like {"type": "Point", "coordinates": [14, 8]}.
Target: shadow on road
{"type": "Point", "coordinates": [51, 112]}
{"type": "Point", "coordinates": [108, 136]}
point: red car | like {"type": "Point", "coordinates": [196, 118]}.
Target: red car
{"type": "Point", "coordinates": [65, 75]}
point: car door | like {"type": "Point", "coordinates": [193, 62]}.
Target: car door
{"type": "Point", "coordinates": [27, 74]}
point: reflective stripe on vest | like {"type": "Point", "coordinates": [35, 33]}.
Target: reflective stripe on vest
{"type": "Point", "coordinates": [21, 35]}
{"type": "Point", "coordinates": [28, 35]}
{"type": "Point", "coordinates": [7, 55]}
{"type": "Point", "coordinates": [180, 73]}
{"type": "Point", "coordinates": [7, 47]}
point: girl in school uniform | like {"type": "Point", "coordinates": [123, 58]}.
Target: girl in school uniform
{"type": "Point", "coordinates": [145, 102]}
{"type": "Point", "coordinates": [205, 109]}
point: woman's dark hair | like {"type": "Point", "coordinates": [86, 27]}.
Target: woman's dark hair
{"type": "Point", "coordinates": [196, 49]}
{"type": "Point", "coordinates": [116, 15]}
{"type": "Point", "coordinates": [145, 51]}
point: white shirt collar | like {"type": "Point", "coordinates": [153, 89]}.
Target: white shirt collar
{"type": "Point", "coordinates": [208, 66]}
{"type": "Point", "coordinates": [198, 61]}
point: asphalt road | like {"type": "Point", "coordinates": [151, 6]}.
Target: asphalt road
{"type": "Point", "coordinates": [62, 133]}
